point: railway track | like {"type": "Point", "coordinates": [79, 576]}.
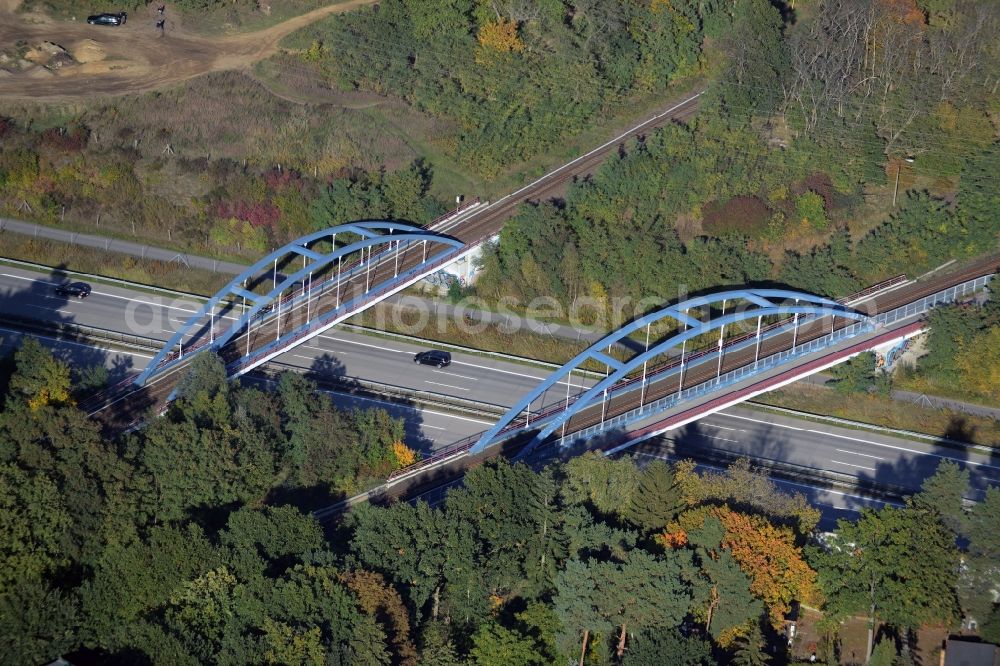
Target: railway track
{"type": "Point", "coordinates": [450, 470]}
{"type": "Point", "coordinates": [123, 408]}
{"type": "Point", "coordinates": [705, 371]}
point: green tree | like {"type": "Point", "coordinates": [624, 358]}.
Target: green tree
{"type": "Point", "coordinates": [721, 589]}
{"type": "Point", "coordinates": [810, 209]}
{"type": "Point", "coordinates": [819, 272]}
{"type": "Point", "coordinates": [921, 235]}
{"type": "Point", "coordinates": [437, 648]}
{"type": "Point", "coordinates": [981, 573]}
{"type": "Point", "coordinates": [990, 628]}
{"type": "Point", "coordinates": [540, 621]}
{"type": "Point", "coordinates": [512, 519]}
{"type": "Point", "coordinates": [658, 498]}
{"type": "Point", "coordinates": [225, 437]}
{"type": "Point", "coordinates": [33, 525]}
{"type": "Point", "coordinates": [943, 494]}
{"type": "Point", "coordinates": [201, 609]}
{"type": "Point", "coordinates": [310, 596]}
{"type": "Point", "coordinates": [495, 645]}
{"type": "Point", "coordinates": [255, 538]}
{"type": "Point", "coordinates": [884, 653]}
{"type": "Point", "coordinates": [644, 592]}
{"type": "Point", "coordinates": [653, 648]}
{"type": "Point", "coordinates": [134, 578]}
{"type": "Point", "coordinates": [856, 375]}
{"type": "Point", "coordinates": [950, 329]}
{"type": "Point", "coordinates": [205, 380]}
{"type": "Point", "coordinates": [577, 603]}
{"type": "Point", "coordinates": [897, 566]}
{"type": "Point", "coordinates": [37, 623]}
{"type": "Point", "coordinates": [66, 446]}
{"type": "Point", "coordinates": [605, 483]}
{"type": "Point", "coordinates": [978, 203]}
{"type": "Point", "coordinates": [40, 379]}
{"type": "Point", "coordinates": [410, 545]}
{"type": "Point", "coordinates": [750, 649]}
{"type": "Point", "coordinates": [285, 645]}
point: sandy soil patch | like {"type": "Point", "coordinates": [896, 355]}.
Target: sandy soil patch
{"type": "Point", "coordinates": [87, 50]}
{"type": "Point", "coordinates": [136, 57]}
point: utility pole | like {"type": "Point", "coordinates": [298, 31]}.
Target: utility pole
{"type": "Point", "coordinates": [895, 188]}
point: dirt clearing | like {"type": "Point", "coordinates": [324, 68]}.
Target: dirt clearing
{"type": "Point", "coordinates": [135, 57]}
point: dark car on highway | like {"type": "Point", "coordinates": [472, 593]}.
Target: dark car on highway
{"type": "Point", "coordinates": [107, 19]}
{"type": "Point", "coordinates": [74, 290]}
{"type": "Point", "coordinates": [434, 357]}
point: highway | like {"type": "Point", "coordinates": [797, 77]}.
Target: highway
{"type": "Point", "coordinates": [426, 428]}
{"type": "Point", "coordinates": [867, 456]}
{"type": "Point", "coordinates": [860, 456]}
{"type": "Point", "coordinates": [337, 353]}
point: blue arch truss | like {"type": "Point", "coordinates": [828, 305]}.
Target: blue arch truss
{"type": "Point", "coordinates": [753, 304]}
{"type": "Point", "coordinates": [365, 235]}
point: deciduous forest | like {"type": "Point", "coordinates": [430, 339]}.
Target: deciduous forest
{"type": "Point", "coordinates": [838, 142]}
{"type": "Point", "coordinates": [188, 542]}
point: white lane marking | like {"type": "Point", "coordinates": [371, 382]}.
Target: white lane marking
{"type": "Point", "coordinates": [770, 423]}
{"type": "Point", "coordinates": [452, 374]}
{"type": "Point", "coordinates": [866, 441]}
{"type": "Point", "coordinates": [76, 344]}
{"type": "Point", "coordinates": [561, 382]}
{"type": "Point", "coordinates": [422, 411]}
{"type": "Point", "coordinates": [110, 295]}
{"type": "Point", "coordinates": [722, 438]}
{"type": "Point", "coordinates": [363, 344]}
{"type": "Point", "coordinates": [903, 448]}
{"type": "Point", "coordinates": [308, 358]}
{"type": "Point", "coordinates": [454, 362]}
{"type": "Point", "coordinates": [424, 425]}
{"type": "Point", "coordinates": [855, 453]}
{"type": "Point", "coordinates": [457, 388]}
{"type": "Point", "coordinates": [713, 425]}
{"type": "Point", "coordinates": [353, 342]}
{"type": "Point", "coordinates": [48, 309]}
{"type": "Point", "coordinates": [837, 462]}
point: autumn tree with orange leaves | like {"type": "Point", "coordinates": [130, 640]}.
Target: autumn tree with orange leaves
{"type": "Point", "coordinates": [501, 36]}
{"type": "Point", "coordinates": [380, 599]}
{"type": "Point", "coordinates": [769, 555]}
{"type": "Point", "coordinates": [764, 552]}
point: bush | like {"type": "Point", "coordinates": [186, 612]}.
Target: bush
{"type": "Point", "coordinates": [810, 208]}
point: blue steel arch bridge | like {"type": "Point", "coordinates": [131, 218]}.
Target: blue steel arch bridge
{"type": "Point", "coordinates": [631, 391]}
{"type": "Point", "coordinates": [326, 277]}
{"type": "Point", "coordinates": [286, 298]}
{"type": "Point", "coordinates": [695, 357]}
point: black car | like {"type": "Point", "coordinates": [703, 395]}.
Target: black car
{"type": "Point", "coordinates": [74, 289]}
{"type": "Point", "coordinates": [441, 359]}
{"type": "Point", "coordinates": [107, 19]}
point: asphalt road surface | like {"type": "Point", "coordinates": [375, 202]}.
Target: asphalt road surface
{"type": "Point", "coordinates": [337, 353]}
{"type": "Point", "coordinates": [866, 456]}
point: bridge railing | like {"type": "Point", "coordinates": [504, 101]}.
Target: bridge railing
{"type": "Point", "coordinates": [918, 307]}
{"type": "Point", "coordinates": [885, 284]}
{"type": "Point", "coordinates": [349, 306]}
{"type": "Point", "coordinates": [653, 373]}
{"type": "Point", "coordinates": [317, 290]}
{"type": "Point", "coordinates": [723, 380]}
{"type": "Point", "coordinates": [458, 448]}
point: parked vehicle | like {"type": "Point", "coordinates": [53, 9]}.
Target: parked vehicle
{"type": "Point", "coordinates": [435, 357]}
{"type": "Point", "coordinates": [74, 289]}
{"type": "Point", "coordinates": [108, 19]}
